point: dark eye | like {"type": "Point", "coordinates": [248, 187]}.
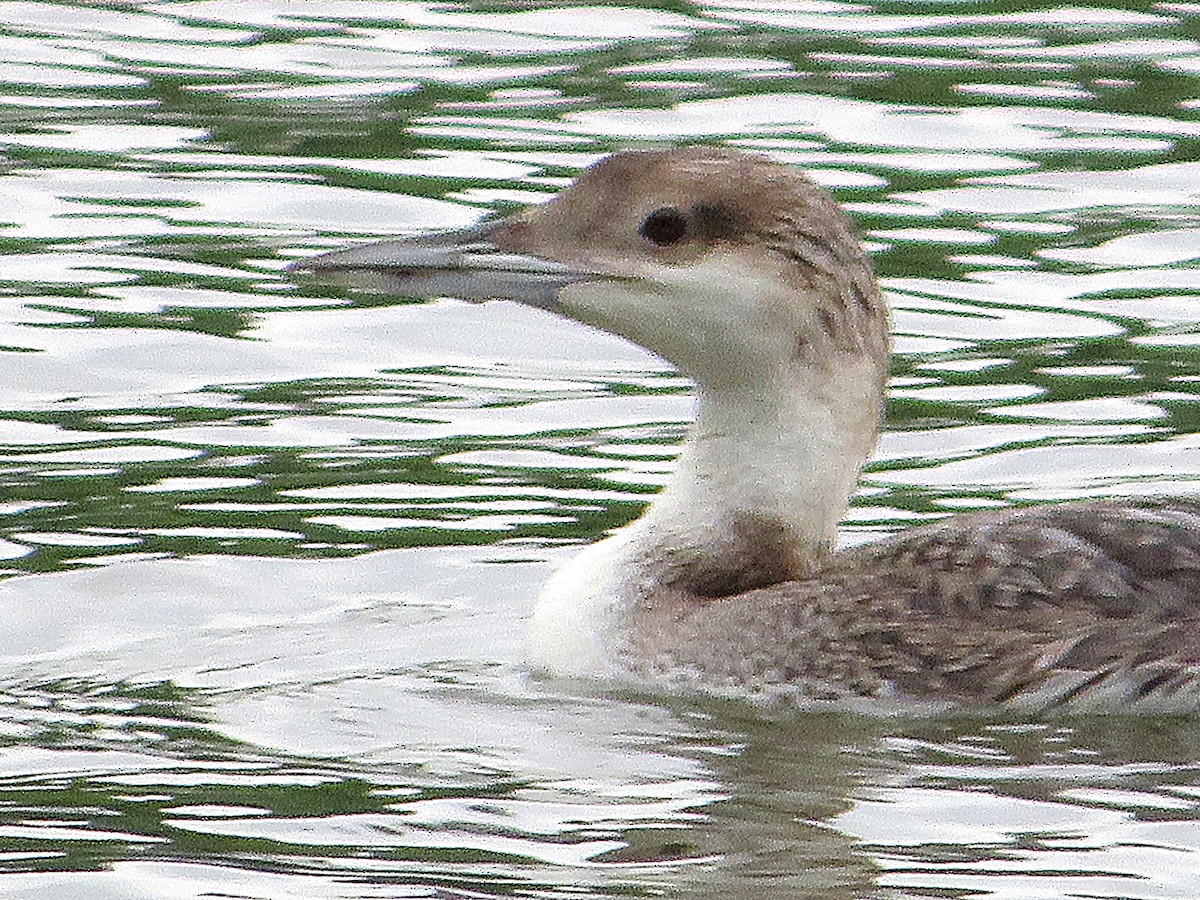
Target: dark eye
{"type": "Point", "coordinates": [664, 226]}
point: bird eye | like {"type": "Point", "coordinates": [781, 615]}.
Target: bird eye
{"type": "Point", "coordinates": [664, 226]}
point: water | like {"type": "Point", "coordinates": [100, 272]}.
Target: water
{"type": "Point", "coordinates": [272, 546]}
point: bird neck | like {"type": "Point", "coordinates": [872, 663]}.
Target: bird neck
{"type": "Point", "coordinates": [755, 499]}
{"type": "Point", "coordinates": [763, 480]}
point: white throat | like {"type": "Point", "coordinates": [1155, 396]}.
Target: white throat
{"type": "Point", "coordinates": [788, 454]}
{"type": "Point", "coordinates": [755, 499]}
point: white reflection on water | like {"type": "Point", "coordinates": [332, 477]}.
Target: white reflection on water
{"type": "Point", "coordinates": [1157, 184]}
{"type": "Point", "coordinates": [84, 203]}
{"type": "Point", "coordinates": [874, 124]}
{"type": "Point", "coordinates": [1067, 468]}
{"type": "Point", "coordinates": [1157, 248]}
{"type": "Point", "coordinates": [167, 158]}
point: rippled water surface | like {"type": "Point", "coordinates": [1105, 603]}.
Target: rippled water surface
{"type": "Point", "coordinates": [270, 547]}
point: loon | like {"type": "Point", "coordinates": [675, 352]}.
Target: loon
{"type": "Point", "coordinates": [749, 279]}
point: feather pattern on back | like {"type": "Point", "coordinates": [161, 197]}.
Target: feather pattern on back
{"type": "Point", "coordinates": [1080, 606]}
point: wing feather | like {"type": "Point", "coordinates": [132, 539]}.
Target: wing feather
{"type": "Point", "coordinates": [1084, 606]}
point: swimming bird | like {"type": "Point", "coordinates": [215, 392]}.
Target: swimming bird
{"type": "Point", "coordinates": [748, 278]}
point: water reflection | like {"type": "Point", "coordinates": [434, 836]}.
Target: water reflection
{"type": "Point", "coordinates": [621, 798]}
{"type": "Point", "coordinates": [209, 684]}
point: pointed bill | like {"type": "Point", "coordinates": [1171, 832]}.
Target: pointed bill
{"type": "Point", "coordinates": [466, 264]}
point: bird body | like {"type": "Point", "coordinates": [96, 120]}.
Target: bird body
{"type": "Point", "coordinates": [748, 277]}
{"type": "Point", "coordinates": [1086, 607]}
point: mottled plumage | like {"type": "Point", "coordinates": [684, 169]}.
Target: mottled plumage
{"type": "Point", "coordinates": [1084, 606]}
{"type": "Point", "coordinates": [748, 277]}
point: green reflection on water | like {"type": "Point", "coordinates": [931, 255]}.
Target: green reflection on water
{"type": "Point", "coordinates": [227, 487]}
